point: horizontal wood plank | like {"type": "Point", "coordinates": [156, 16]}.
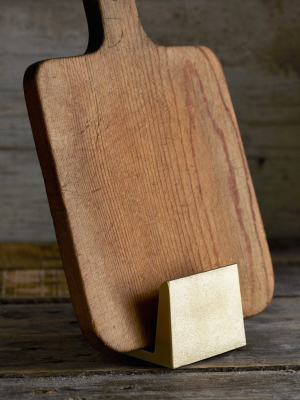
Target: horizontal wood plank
{"type": "Point", "coordinates": [31, 272]}
{"type": "Point", "coordinates": [43, 342]}
{"type": "Point", "coordinates": [255, 40]}
{"type": "Point", "coordinates": [47, 341]}
{"type": "Point", "coordinates": [23, 256]}
{"type": "Point", "coordinates": [239, 385]}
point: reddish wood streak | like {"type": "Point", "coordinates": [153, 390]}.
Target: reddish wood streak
{"type": "Point", "coordinates": [246, 169]}
{"type": "Point", "coordinates": [187, 83]}
{"type": "Point", "coordinates": [189, 69]}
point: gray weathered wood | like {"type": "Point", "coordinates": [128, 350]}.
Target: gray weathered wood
{"type": "Point", "coordinates": [239, 385]}
{"type": "Point", "coordinates": [47, 341]}
{"type": "Point", "coordinates": [287, 280]}
{"type": "Point", "coordinates": [44, 355]}
{"type": "Point", "coordinates": [257, 42]}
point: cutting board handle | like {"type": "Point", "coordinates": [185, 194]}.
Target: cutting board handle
{"type": "Point", "coordinates": [112, 23]}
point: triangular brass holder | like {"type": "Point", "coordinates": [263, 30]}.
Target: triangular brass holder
{"type": "Point", "coordinates": [199, 316]}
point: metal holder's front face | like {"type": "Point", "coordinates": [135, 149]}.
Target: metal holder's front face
{"type": "Point", "coordinates": [199, 316]}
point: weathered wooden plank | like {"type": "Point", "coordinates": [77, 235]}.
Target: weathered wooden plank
{"type": "Point", "coordinates": [27, 35]}
{"type": "Point", "coordinates": [29, 256]}
{"type": "Point", "coordinates": [278, 191]}
{"type": "Point", "coordinates": [287, 280]}
{"type": "Point", "coordinates": [33, 284]}
{"type": "Point", "coordinates": [256, 41]}
{"type": "Point", "coordinates": [238, 385]}
{"type": "Point", "coordinates": [24, 209]}
{"type": "Point", "coordinates": [31, 271]}
{"type": "Point", "coordinates": [47, 341]}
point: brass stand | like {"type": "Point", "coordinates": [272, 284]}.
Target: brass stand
{"type": "Point", "coordinates": [199, 316]}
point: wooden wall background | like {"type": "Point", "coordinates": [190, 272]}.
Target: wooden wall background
{"type": "Point", "coordinates": [258, 43]}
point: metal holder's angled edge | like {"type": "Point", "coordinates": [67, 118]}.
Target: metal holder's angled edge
{"type": "Point", "coordinates": [199, 316]}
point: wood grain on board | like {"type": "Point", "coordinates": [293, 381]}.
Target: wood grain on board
{"type": "Point", "coordinates": [145, 174]}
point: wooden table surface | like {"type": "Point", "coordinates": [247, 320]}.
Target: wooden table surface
{"type": "Point", "coordinates": [43, 354]}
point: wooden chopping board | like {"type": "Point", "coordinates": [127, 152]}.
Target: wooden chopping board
{"type": "Point", "coordinates": [145, 173]}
